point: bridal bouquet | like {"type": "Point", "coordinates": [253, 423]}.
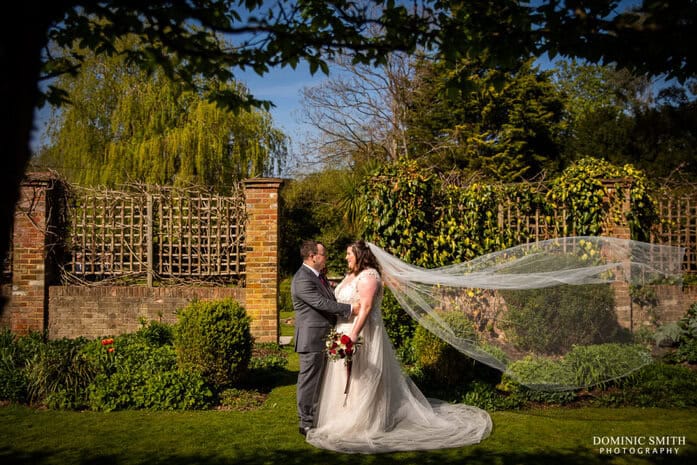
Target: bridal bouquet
{"type": "Point", "coordinates": [339, 346]}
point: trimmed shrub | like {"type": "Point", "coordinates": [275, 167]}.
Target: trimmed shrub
{"type": "Point", "coordinates": [687, 338]}
{"type": "Point", "coordinates": [156, 333]}
{"type": "Point", "coordinates": [618, 361]}
{"type": "Point", "coordinates": [485, 396]}
{"type": "Point", "coordinates": [656, 385]}
{"type": "Point", "coordinates": [580, 367]}
{"type": "Point", "coordinates": [214, 339]}
{"type": "Point", "coordinates": [542, 371]}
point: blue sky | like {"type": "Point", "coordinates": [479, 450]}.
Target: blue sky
{"type": "Point", "coordinates": [283, 87]}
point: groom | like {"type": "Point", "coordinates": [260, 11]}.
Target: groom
{"type": "Point", "coordinates": [315, 314]}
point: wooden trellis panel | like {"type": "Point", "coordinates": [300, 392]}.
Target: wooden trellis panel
{"type": "Point", "coordinates": [678, 226]}
{"type": "Point", "coordinates": [193, 236]}
{"type": "Point", "coordinates": [200, 236]}
{"type": "Point", "coordinates": [108, 234]}
{"type": "Point", "coordinates": [162, 234]}
{"type": "Point", "coordinates": [526, 226]}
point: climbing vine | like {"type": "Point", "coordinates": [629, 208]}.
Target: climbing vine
{"type": "Point", "coordinates": [397, 210]}
{"type": "Point", "coordinates": [583, 192]}
{"type": "Point", "coordinates": [429, 221]}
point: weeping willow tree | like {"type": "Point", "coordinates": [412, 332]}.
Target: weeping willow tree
{"type": "Point", "coordinates": [124, 125]}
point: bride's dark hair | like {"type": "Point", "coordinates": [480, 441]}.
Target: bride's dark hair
{"type": "Point", "coordinates": [364, 256]}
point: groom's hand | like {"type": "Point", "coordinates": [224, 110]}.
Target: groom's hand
{"type": "Point", "coordinates": [355, 308]}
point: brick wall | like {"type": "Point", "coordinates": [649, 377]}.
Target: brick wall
{"type": "Point", "coordinates": [112, 310]}
{"type": "Point", "coordinates": [5, 294]}
{"type": "Point", "coordinates": [673, 302]}
{"type": "Point", "coordinates": [70, 311]}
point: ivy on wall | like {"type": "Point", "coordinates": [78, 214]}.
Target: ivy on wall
{"type": "Point", "coordinates": [582, 191]}
{"type": "Point", "coordinates": [428, 221]}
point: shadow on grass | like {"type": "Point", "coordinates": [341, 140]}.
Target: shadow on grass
{"type": "Point", "coordinates": [266, 380]}
{"type": "Point", "coordinates": [578, 456]}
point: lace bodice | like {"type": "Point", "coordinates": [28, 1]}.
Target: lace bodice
{"type": "Point", "coordinates": [347, 291]}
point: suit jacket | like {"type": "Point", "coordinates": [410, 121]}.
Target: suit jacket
{"type": "Point", "coordinates": [316, 309]}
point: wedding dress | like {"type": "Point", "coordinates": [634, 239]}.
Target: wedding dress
{"type": "Point", "coordinates": [383, 410]}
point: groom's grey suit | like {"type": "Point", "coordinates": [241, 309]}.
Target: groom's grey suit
{"type": "Point", "coordinates": [316, 309]}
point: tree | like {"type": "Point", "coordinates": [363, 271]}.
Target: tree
{"type": "Point", "coordinates": [183, 38]}
{"type": "Point", "coordinates": [311, 210]}
{"type": "Point", "coordinates": [505, 125]}
{"type": "Point", "coordinates": [663, 137]}
{"type": "Point", "coordinates": [601, 103]}
{"type": "Point", "coordinates": [622, 118]}
{"type": "Point", "coordinates": [126, 125]}
{"type": "Point", "coordinates": [359, 114]}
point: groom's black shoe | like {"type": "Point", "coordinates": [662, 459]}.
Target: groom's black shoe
{"type": "Point", "coordinates": [303, 430]}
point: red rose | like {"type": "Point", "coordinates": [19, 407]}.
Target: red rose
{"type": "Point", "coordinates": [345, 340]}
{"type": "Point", "coordinates": [106, 342]}
{"type": "Point", "coordinates": [110, 349]}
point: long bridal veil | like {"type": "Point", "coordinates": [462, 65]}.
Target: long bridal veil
{"type": "Point", "coordinates": [559, 314]}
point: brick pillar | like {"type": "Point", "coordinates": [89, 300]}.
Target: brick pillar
{"type": "Point", "coordinates": [261, 243]}
{"type": "Point", "coordinates": [617, 225]}
{"type": "Point", "coordinates": [28, 302]}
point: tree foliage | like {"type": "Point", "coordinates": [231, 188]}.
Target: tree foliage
{"type": "Point", "coordinates": [126, 125]}
{"type": "Point", "coordinates": [582, 192]}
{"type": "Point", "coordinates": [663, 138]}
{"type": "Point", "coordinates": [505, 125]}
{"type": "Point", "coordinates": [313, 209]}
{"type": "Point", "coordinates": [622, 118]}
{"type": "Point", "coordinates": [281, 33]}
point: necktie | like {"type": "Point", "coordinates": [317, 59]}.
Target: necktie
{"type": "Point", "coordinates": [324, 280]}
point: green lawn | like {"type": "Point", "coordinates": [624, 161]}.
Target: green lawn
{"type": "Point", "coordinates": [268, 435]}
{"type": "Point", "coordinates": [286, 329]}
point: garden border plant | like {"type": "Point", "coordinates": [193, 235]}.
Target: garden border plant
{"type": "Point", "coordinates": [140, 370]}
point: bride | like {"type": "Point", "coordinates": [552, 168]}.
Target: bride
{"type": "Point", "coordinates": [383, 410]}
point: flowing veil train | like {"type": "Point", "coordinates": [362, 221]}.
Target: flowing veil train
{"type": "Point", "coordinates": [548, 314]}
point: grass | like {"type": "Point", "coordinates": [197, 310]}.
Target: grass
{"type": "Point", "coordinates": [268, 435]}
{"type": "Point", "coordinates": [286, 329]}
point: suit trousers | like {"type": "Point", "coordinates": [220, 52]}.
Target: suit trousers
{"type": "Point", "coordinates": [309, 380]}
